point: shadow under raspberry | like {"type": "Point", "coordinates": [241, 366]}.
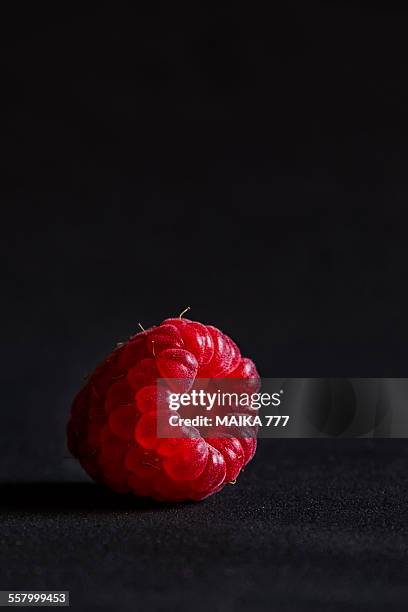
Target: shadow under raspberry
{"type": "Point", "coordinates": [48, 497]}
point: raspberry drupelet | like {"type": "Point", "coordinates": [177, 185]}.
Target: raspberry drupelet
{"type": "Point", "coordinates": [112, 429]}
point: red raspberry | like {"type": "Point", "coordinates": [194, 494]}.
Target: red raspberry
{"type": "Point", "coordinates": [113, 424]}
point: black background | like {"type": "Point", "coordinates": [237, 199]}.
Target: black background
{"type": "Point", "coordinates": [251, 164]}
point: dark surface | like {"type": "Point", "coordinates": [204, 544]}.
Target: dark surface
{"type": "Point", "coordinates": [253, 165]}
{"type": "Point", "coordinates": [309, 526]}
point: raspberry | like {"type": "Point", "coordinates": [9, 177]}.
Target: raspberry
{"type": "Point", "coordinates": [112, 429]}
